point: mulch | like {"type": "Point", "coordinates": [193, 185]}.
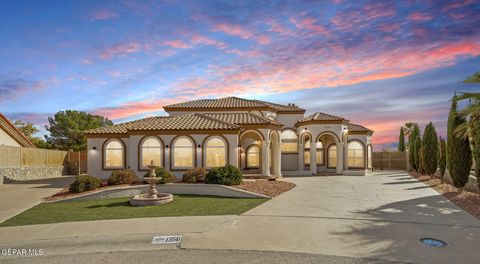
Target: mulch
{"type": "Point", "coordinates": [266, 187]}
{"type": "Point", "coordinates": [465, 199]}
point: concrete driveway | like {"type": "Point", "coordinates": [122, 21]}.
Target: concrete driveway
{"type": "Point", "coordinates": [379, 216]}
{"type": "Point", "coordinates": [18, 197]}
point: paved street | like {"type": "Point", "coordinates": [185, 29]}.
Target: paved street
{"type": "Point", "coordinates": [380, 217]}
{"type": "Point", "coordinates": [18, 197]}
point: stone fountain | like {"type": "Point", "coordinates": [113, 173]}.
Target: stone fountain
{"type": "Point", "coordinates": [153, 197]}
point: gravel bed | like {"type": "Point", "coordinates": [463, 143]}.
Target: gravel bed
{"type": "Point", "coordinates": [266, 187]}
{"type": "Point", "coordinates": [467, 200]}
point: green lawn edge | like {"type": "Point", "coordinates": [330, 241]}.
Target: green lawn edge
{"type": "Point", "coordinates": [118, 208]}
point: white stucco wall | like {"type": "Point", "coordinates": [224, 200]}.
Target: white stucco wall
{"type": "Point", "coordinates": [132, 151]}
{"type": "Point", "coordinates": [289, 120]}
{"type": "Point", "coordinates": [7, 140]}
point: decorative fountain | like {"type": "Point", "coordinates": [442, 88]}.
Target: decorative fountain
{"type": "Point", "coordinates": [153, 197]}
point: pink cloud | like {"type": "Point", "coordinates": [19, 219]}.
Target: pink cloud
{"type": "Point", "coordinates": [135, 108]}
{"type": "Point", "coordinates": [417, 16]}
{"type": "Point", "coordinates": [121, 49]}
{"type": "Point", "coordinates": [309, 24]}
{"type": "Point", "coordinates": [263, 39]}
{"type": "Point", "coordinates": [390, 27]}
{"type": "Point", "coordinates": [233, 30]}
{"type": "Point", "coordinates": [276, 27]}
{"type": "Point", "coordinates": [102, 14]}
{"type": "Point", "coordinates": [177, 44]}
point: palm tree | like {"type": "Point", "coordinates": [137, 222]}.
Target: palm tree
{"type": "Point", "coordinates": [407, 130]}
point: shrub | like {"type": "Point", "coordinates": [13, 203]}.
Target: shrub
{"type": "Point", "coordinates": [122, 177]}
{"type": "Point", "coordinates": [166, 175]}
{"type": "Point", "coordinates": [430, 149]}
{"type": "Point", "coordinates": [194, 175]}
{"type": "Point", "coordinates": [84, 183]}
{"type": "Point", "coordinates": [416, 149]}
{"type": "Point", "coordinates": [226, 175]}
{"type": "Point", "coordinates": [401, 140]}
{"type": "Point", "coordinates": [474, 124]}
{"type": "Point", "coordinates": [442, 157]}
{"type": "Point", "coordinates": [72, 167]}
{"type": "Point", "coordinates": [411, 146]}
{"type": "Point", "coordinates": [459, 156]}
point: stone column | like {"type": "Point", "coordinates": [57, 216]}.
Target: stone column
{"type": "Point", "coordinates": [313, 159]}
{"type": "Point", "coordinates": [266, 158]}
{"type": "Point", "coordinates": [339, 158]}
{"type": "Point", "coordinates": [277, 170]}
{"type": "Point", "coordinates": [301, 163]}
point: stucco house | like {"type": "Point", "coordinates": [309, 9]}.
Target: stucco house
{"type": "Point", "coordinates": [11, 136]}
{"type": "Point", "coordinates": [257, 136]}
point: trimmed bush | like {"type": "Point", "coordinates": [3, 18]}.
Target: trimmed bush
{"type": "Point", "coordinates": [442, 157]}
{"type": "Point", "coordinates": [194, 175]}
{"type": "Point", "coordinates": [122, 177]}
{"type": "Point", "coordinates": [401, 140]}
{"type": "Point", "coordinates": [166, 175]}
{"type": "Point", "coordinates": [411, 146]}
{"type": "Point", "coordinates": [416, 149]}
{"type": "Point", "coordinates": [226, 175]}
{"type": "Point", "coordinates": [430, 150]}
{"type": "Point", "coordinates": [459, 156]}
{"type": "Point", "coordinates": [84, 183]}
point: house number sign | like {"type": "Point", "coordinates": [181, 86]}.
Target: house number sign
{"type": "Point", "coordinates": [167, 239]}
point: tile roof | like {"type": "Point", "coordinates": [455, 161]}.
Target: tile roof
{"type": "Point", "coordinates": [319, 116]}
{"type": "Point", "coordinates": [233, 102]}
{"type": "Point", "coordinates": [243, 119]}
{"type": "Point", "coordinates": [183, 122]}
{"type": "Point", "coordinates": [357, 128]}
{"type": "Point", "coordinates": [14, 132]}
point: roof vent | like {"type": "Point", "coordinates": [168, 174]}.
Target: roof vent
{"type": "Point", "coordinates": [289, 104]}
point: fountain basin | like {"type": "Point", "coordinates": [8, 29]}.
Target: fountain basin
{"type": "Point", "coordinates": [145, 199]}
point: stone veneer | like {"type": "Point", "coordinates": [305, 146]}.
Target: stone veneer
{"type": "Point", "coordinates": [29, 173]}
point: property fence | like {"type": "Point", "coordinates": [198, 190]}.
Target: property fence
{"type": "Point", "coordinates": [385, 160]}
{"type": "Point", "coordinates": [18, 157]}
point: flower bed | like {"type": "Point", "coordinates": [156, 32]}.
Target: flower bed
{"type": "Point", "coordinates": [465, 199]}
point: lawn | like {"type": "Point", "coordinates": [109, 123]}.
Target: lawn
{"type": "Point", "coordinates": [118, 208]}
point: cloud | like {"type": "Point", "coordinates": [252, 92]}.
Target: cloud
{"type": "Point", "coordinates": [12, 87]}
{"type": "Point", "coordinates": [309, 23]}
{"type": "Point", "coordinates": [177, 44]}
{"type": "Point", "coordinates": [233, 30]}
{"type": "Point", "coordinates": [102, 14]}
{"type": "Point", "coordinates": [417, 16]}
{"type": "Point", "coordinates": [120, 49]}
{"type": "Point", "coordinates": [129, 109]}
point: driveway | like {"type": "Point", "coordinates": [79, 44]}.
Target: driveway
{"type": "Point", "coordinates": [18, 197]}
{"type": "Point", "coordinates": [379, 216]}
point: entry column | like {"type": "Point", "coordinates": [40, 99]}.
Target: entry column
{"type": "Point", "coordinates": [266, 158]}
{"type": "Point", "coordinates": [339, 158]}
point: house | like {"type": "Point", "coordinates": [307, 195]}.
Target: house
{"type": "Point", "coordinates": [11, 136]}
{"type": "Point", "coordinates": [257, 136]}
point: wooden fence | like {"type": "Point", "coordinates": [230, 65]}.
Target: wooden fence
{"type": "Point", "coordinates": [15, 157]}
{"type": "Point", "coordinates": [397, 160]}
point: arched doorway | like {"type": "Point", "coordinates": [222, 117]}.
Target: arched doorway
{"type": "Point", "coordinates": [331, 148]}
{"type": "Point", "coordinates": [251, 142]}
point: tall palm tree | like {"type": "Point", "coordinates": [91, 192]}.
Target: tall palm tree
{"type": "Point", "coordinates": [473, 108]}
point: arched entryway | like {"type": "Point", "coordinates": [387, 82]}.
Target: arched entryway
{"type": "Point", "coordinates": [331, 148]}
{"type": "Point", "coordinates": [251, 142]}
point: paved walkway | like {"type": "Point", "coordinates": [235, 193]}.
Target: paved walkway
{"type": "Point", "coordinates": [380, 216]}
{"type": "Point", "coordinates": [18, 197]}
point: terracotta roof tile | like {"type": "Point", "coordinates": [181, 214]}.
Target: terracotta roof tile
{"type": "Point", "coordinates": [319, 116]}
{"type": "Point", "coordinates": [183, 122]}
{"type": "Point", "coordinates": [243, 119]}
{"type": "Point", "coordinates": [357, 128]}
{"type": "Point", "coordinates": [233, 102]}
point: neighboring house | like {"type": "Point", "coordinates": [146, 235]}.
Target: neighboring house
{"type": "Point", "coordinates": [259, 137]}
{"type": "Point", "coordinates": [11, 136]}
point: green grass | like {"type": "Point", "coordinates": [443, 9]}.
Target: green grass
{"type": "Point", "coordinates": [118, 208]}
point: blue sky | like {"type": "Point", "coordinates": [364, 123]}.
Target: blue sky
{"type": "Point", "coordinates": [379, 64]}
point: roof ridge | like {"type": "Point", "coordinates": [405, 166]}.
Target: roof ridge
{"type": "Point", "coordinates": [216, 120]}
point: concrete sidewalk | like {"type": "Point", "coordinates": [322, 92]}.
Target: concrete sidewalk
{"type": "Point", "coordinates": [18, 197]}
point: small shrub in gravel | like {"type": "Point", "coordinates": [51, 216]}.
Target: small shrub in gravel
{"type": "Point", "coordinates": [194, 175]}
{"type": "Point", "coordinates": [84, 183]}
{"type": "Point", "coordinates": [226, 175]}
{"type": "Point", "coordinates": [166, 175]}
{"type": "Point", "coordinates": [122, 177]}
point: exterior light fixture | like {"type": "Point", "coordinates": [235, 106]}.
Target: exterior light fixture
{"type": "Point", "coordinates": [94, 148]}
{"type": "Point", "coordinates": [306, 129]}
{"type": "Point", "coordinates": [199, 146]}
{"type": "Point", "coordinates": [166, 146]}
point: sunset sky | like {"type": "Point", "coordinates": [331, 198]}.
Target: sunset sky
{"type": "Point", "coordinates": [377, 63]}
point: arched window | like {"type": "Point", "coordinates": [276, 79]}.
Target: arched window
{"type": "Point", "coordinates": [355, 155]}
{"type": "Point", "coordinates": [253, 157]}
{"type": "Point", "coordinates": [183, 153]}
{"type": "Point", "coordinates": [332, 156]}
{"type": "Point", "coordinates": [114, 155]}
{"type": "Point", "coordinates": [151, 149]}
{"type": "Point", "coordinates": [306, 147]}
{"type": "Point", "coordinates": [289, 141]}
{"type": "Point", "coordinates": [369, 149]}
{"type": "Point", "coordinates": [320, 152]}
{"type": "Point", "coordinates": [215, 152]}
